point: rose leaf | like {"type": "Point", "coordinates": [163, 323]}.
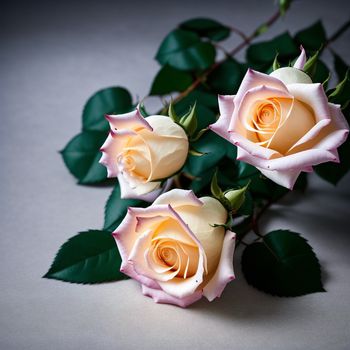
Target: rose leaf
{"type": "Point", "coordinates": [170, 79]}
{"type": "Point", "coordinates": [184, 50]}
{"type": "Point", "coordinates": [82, 154]}
{"type": "Point", "coordinates": [206, 27]}
{"type": "Point", "coordinates": [283, 264]}
{"type": "Point", "coordinates": [114, 100]}
{"type": "Point", "coordinates": [116, 208]}
{"type": "Point", "coordinates": [89, 257]}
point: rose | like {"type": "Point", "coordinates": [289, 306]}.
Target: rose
{"type": "Point", "coordinates": [142, 152]}
{"type": "Point", "coordinates": [173, 249]}
{"type": "Point", "coordinates": [282, 123]}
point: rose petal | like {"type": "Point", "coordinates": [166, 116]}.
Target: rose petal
{"type": "Point", "coordinates": [252, 148]}
{"type": "Point", "coordinates": [174, 147]}
{"type": "Point", "coordinates": [113, 145]}
{"type": "Point", "coordinates": [130, 121]}
{"type": "Point", "coordinates": [178, 197]}
{"type": "Point", "coordinates": [161, 297]}
{"type": "Point", "coordinates": [254, 79]}
{"type": "Point", "coordinates": [301, 60]}
{"type": "Point", "coordinates": [312, 95]}
{"type": "Point", "coordinates": [295, 161]}
{"type": "Point", "coordinates": [224, 272]}
{"type": "Point", "coordinates": [286, 178]}
{"type": "Point", "coordinates": [226, 107]}
{"type": "Point", "coordinates": [211, 238]}
{"type": "Point", "coordinates": [128, 192]}
{"type": "Point", "coordinates": [308, 139]}
{"type": "Point", "coordinates": [243, 109]}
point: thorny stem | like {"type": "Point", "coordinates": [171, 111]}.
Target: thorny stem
{"type": "Point", "coordinates": [246, 41]}
{"type": "Point", "coordinates": [254, 223]}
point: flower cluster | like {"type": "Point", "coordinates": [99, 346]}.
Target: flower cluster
{"type": "Point", "coordinates": [178, 248]}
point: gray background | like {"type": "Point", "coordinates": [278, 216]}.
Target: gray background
{"type": "Point", "coordinates": [54, 55]}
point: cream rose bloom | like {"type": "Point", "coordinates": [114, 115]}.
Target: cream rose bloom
{"type": "Point", "coordinates": [173, 250]}
{"type": "Point", "coordinates": [282, 123]}
{"type": "Point", "coordinates": [143, 152]}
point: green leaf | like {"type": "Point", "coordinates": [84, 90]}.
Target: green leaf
{"type": "Point", "coordinates": [265, 52]}
{"type": "Point", "coordinates": [202, 181]}
{"type": "Point", "coordinates": [82, 155]}
{"type": "Point", "coordinates": [169, 79]}
{"type": "Point", "coordinates": [341, 94]}
{"type": "Point", "coordinates": [334, 172]}
{"type": "Point", "coordinates": [114, 100]}
{"type": "Point", "coordinates": [89, 257]}
{"type": "Point", "coordinates": [283, 264]}
{"type": "Point", "coordinates": [116, 208]}
{"type": "Point", "coordinates": [340, 66]}
{"type": "Point", "coordinates": [214, 148]}
{"type": "Point", "coordinates": [184, 50]}
{"type": "Point", "coordinates": [312, 37]}
{"type": "Point", "coordinates": [226, 79]}
{"type": "Point", "coordinates": [208, 28]}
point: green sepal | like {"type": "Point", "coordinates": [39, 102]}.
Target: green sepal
{"type": "Point", "coordinates": [218, 193]}
{"type": "Point", "coordinates": [341, 93]}
{"type": "Point", "coordinates": [189, 121]}
{"type": "Point", "coordinates": [172, 113]}
{"type": "Point", "coordinates": [236, 197]}
{"type": "Point", "coordinates": [311, 63]}
{"type": "Point", "coordinates": [276, 65]}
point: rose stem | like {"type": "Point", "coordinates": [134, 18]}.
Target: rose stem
{"type": "Point", "coordinates": [231, 53]}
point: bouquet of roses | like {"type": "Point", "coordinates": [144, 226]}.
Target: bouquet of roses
{"type": "Point", "coordinates": [193, 179]}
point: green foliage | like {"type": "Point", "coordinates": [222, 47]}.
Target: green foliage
{"type": "Point", "coordinates": [340, 66]}
{"type": "Point", "coordinates": [170, 79]}
{"type": "Point", "coordinates": [116, 209]}
{"type": "Point", "coordinates": [82, 154]}
{"type": "Point", "coordinates": [283, 264]}
{"type": "Point", "coordinates": [261, 55]}
{"type": "Point", "coordinates": [213, 147]}
{"type": "Point", "coordinates": [341, 94]}
{"type": "Point", "coordinates": [226, 79]}
{"type": "Point", "coordinates": [89, 257]}
{"type": "Point", "coordinates": [312, 38]}
{"type": "Point", "coordinates": [185, 50]}
{"type": "Point", "coordinates": [208, 28]}
{"type": "Point", "coordinates": [114, 100]}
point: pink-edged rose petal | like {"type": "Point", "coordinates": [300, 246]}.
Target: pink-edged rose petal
{"type": "Point", "coordinates": [224, 272]}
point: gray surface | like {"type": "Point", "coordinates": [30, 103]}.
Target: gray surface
{"type": "Point", "coordinates": [53, 56]}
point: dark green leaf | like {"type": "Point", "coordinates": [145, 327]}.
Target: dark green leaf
{"type": "Point", "coordinates": [214, 148]}
{"type": "Point", "coordinates": [263, 53]}
{"type": "Point", "coordinates": [226, 79]}
{"type": "Point", "coordinates": [114, 100]}
{"type": "Point", "coordinates": [334, 172]}
{"type": "Point", "coordinates": [202, 180]}
{"type": "Point", "coordinates": [340, 66]}
{"type": "Point", "coordinates": [169, 80]}
{"type": "Point", "coordinates": [116, 208]}
{"type": "Point", "coordinates": [312, 38]}
{"type": "Point", "coordinates": [206, 27]}
{"type": "Point", "coordinates": [89, 257]}
{"type": "Point", "coordinates": [82, 155]}
{"type": "Point", "coordinates": [282, 264]}
{"type": "Point", "coordinates": [184, 50]}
